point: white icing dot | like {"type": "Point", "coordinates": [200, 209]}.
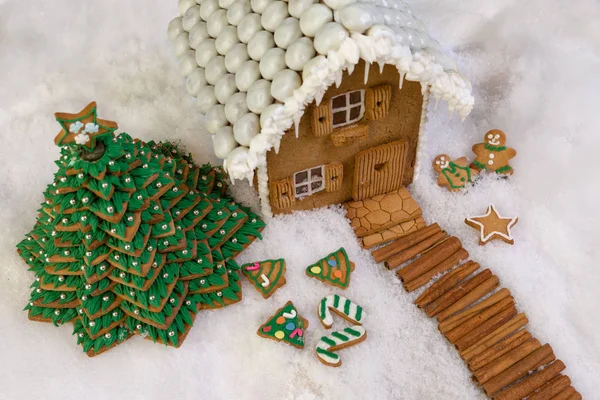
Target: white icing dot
{"type": "Point", "coordinates": [215, 118]}
{"type": "Point", "coordinates": [259, 96]}
{"type": "Point", "coordinates": [195, 81]}
{"type": "Point", "coordinates": [267, 113]}
{"type": "Point", "coordinates": [297, 7]}
{"type": "Point", "coordinates": [175, 28]}
{"type": "Point", "coordinates": [491, 162]}
{"type": "Point", "coordinates": [272, 62]}
{"type": "Point", "coordinates": [315, 18]}
{"type": "Point", "coordinates": [235, 57]}
{"type": "Point", "coordinates": [187, 63]}
{"type": "Point", "coordinates": [235, 107]}
{"type": "Point", "coordinates": [330, 37]}
{"type": "Point", "coordinates": [299, 54]}
{"type": "Point", "coordinates": [237, 11]}
{"type": "Point", "coordinates": [225, 87]}
{"type": "Point", "coordinates": [246, 128]}
{"type": "Point", "coordinates": [184, 5]}
{"type": "Point", "coordinates": [205, 52]}
{"type": "Point", "coordinates": [226, 39]}
{"type": "Point", "coordinates": [215, 69]}
{"type": "Point", "coordinates": [284, 83]}
{"type": "Point", "coordinates": [249, 25]}
{"type": "Point", "coordinates": [198, 34]}
{"type": "Point", "coordinates": [259, 44]}
{"type": "Point", "coordinates": [181, 43]}
{"type": "Point", "coordinates": [207, 8]}
{"type": "Point", "coordinates": [206, 99]}
{"type": "Point", "coordinates": [191, 18]}
{"type": "Point", "coordinates": [287, 32]}
{"type": "Point", "coordinates": [224, 142]}
{"type": "Point", "coordinates": [492, 155]}
{"type": "Point", "coordinates": [246, 75]}
{"type": "Point", "coordinates": [258, 6]}
{"type": "Point", "coordinates": [216, 22]}
{"type": "Point", "coordinates": [273, 15]}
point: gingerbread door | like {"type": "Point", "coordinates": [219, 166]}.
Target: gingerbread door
{"type": "Point", "coordinates": [379, 169]}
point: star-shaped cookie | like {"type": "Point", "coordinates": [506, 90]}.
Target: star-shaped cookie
{"type": "Point", "coordinates": [492, 226]}
{"type": "Point", "coordinates": [82, 128]}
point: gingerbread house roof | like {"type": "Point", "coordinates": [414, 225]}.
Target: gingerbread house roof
{"type": "Point", "coordinates": [254, 65]}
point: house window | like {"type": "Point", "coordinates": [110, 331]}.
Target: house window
{"type": "Point", "coordinates": [348, 108]}
{"type": "Point", "coordinates": [309, 181]}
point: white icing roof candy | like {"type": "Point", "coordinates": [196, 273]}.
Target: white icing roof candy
{"type": "Point", "coordinates": [254, 65]}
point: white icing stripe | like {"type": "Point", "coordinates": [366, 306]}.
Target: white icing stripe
{"type": "Point", "coordinates": [329, 303]}
{"type": "Point", "coordinates": [336, 338]}
{"type": "Point", "coordinates": [382, 47]}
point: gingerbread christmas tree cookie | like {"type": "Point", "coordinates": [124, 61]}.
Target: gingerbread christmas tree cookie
{"type": "Point", "coordinates": [267, 276]}
{"type": "Point", "coordinates": [454, 175]}
{"type": "Point", "coordinates": [492, 226]}
{"type": "Point", "coordinates": [493, 154]}
{"type": "Point", "coordinates": [286, 325]}
{"type": "Point", "coordinates": [334, 269]}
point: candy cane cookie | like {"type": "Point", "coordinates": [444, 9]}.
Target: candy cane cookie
{"type": "Point", "coordinates": [338, 340]}
{"type": "Point", "coordinates": [343, 307]}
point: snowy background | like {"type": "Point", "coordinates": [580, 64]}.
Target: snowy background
{"type": "Point", "coordinates": [535, 70]}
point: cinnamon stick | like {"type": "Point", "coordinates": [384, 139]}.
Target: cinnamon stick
{"type": "Point", "coordinates": [552, 388]}
{"type": "Point", "coordinates": [531, 383]}
{"type": "Point", "coordinates": [405, 242]}
{"type": "Point", "coordinates": [500, 333]}
{"type": "Point", "coordinates": [410, 253]}
{"type": "Point", "coordinates": [446, 283]}
{"type": "Point", "coordinates": [501, 364]}
{"type": "Point", "coordinates": [568, 394]}
{"type": "Point", "coordinates": [442, 267]}
{"type": "Point", "coordinates": [486, 328]}
{"type": "Point", "coordinates": [462, 316]}
{"type": "Point", "coordinates": [456, 293]}
{"type": "Point", "coordinates": [470, 298]}
{"type": "Point", "coordinates": [478, 319]}
{"type": "Point", "coordinates": [519, 370]}
{"type": "Point", "coordinates": [499, 349]}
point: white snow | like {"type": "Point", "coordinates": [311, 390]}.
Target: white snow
{"type": "Point", "coordinates": [534, 66]}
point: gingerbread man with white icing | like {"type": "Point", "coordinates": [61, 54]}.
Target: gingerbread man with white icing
{"type": "Point", "coordinates": [456, 174]}
{"type": "Point", "coordinates": [492, 154]}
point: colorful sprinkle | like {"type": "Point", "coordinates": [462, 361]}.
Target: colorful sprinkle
{"type": "Point", "coordinates": [289, 326]}
{"type": "Point", "coordinates": [333, 263]}
{"type": "Point", "coordinates": [267, 329]}
{"type": "Point", "coordinates": [279, 334]}
{"type": "Point", "coordinates": [280, 320]}
{"type": "Point", "coordinates": [253, 267]}
{"type": "Point", "coordinates": [289, 315]}
{"type": "Point", "coordinates": [315, 270]}
{"type": "Point", "coordinates": [298, 332]}
{"type": "Point", "coordinates": [337, 273]}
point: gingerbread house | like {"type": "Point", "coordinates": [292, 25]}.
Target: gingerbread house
{"type": "Point", "coordinates": [315, 102]}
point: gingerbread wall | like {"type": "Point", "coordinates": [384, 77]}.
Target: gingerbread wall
{"type": "Point", "coordinates": [309, 150]}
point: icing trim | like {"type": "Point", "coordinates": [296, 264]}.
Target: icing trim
{"type": "Point", "coordinates": [491, 209]}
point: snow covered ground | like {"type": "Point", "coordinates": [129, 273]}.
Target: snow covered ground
{"type": "Point", "coordinates": [534, 66]}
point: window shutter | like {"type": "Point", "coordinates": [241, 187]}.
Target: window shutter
{"type": "Point", "coordinates": [377, 102]}
{"type": "Point", "coordinates": [334, 175]}
{"type": "Point", "coordinates": [321, 122]}
{"type": "Point", "coordinates": [282, 193]}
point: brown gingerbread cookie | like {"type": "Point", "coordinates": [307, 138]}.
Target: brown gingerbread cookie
{"type": "Point", "coordinates": [492, 226]}
{"type": "Point", "coordinates": [492, 154]}
{"type": "Point", "coordinates": [454, 175]}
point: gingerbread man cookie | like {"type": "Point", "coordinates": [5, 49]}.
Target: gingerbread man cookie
{"type": "Point", "coordinates": [454, 175]}
{"type": "Point", "coordinates": [493, 154]}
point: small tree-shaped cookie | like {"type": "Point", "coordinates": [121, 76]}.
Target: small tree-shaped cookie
{"type": "Point", "coordinates": [493, 154]}
{"type": "Point", "coordinates": [454, 175]}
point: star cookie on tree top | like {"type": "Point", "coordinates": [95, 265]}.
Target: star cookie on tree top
{"type": "Point", "coordinates": [492, 226]}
